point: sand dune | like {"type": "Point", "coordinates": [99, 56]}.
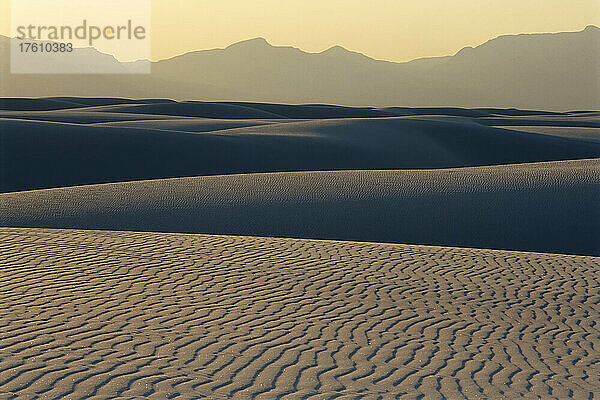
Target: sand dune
{"type": "Point", "coordinates": [585, 133]}
{"type": "Point", "coordinates": [193, 125]}
{"type": "Point", "coordinates": [112, 143]}
{"type": "Point", "coordinates": [64, 103]}
{"type": "Point", "coordinates": [133, 315]}
{"type": "Point", "coordinates": [249, 110]}
{"type": "Point", "coordinates": [228, 305]}
{"type": "Point", "coordinates": [549, 207]}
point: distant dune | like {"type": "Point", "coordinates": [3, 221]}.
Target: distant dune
{"type": "Point", "coordinates": [91, 141]}
{"type": "Point", "coordinates": [139, 315]}
{"type": "Point", "coordinates": [550, 207]}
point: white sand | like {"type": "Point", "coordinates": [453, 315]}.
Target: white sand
{"type": "Point", "coordinates": [550, 207]}
{"type": "Point", "coordinates": [140, 315]}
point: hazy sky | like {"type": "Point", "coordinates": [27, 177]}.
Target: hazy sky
{"type": "Point", "coordinates": [396, 30]}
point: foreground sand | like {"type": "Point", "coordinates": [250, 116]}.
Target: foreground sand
{"type": "Point", "coordinates": [88, 314]}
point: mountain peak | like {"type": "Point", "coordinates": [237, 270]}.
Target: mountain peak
{"type": "Point", "coordinates": [258, 42]}
{"type": "Point", "coordinates": [336, 50]}
{"type": "Point", "coordinates": [339, 51]}
{"type": "Point", "coordinates": [465, 50]}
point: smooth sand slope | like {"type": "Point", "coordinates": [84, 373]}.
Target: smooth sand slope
{"type": "Point", "coordinates": [550, 207]}
{"type": "Point", "coordinates": [589, 134]}
{"type": "Point", "coordinates": [99, 142]}
{"type": "Point", "coordinates": [89, 314]}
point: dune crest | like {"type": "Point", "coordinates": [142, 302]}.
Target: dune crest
{"type": "Point", "coordinates": [550, 207]}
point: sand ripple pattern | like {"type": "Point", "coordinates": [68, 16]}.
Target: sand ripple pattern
{"type": "Point", "coordinates": [140, 315]}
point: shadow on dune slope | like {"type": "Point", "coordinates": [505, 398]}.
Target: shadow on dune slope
{"type": "Point", "coordinates": [547, 207]}
{"type": "Point", "coordinates": [37, 154]}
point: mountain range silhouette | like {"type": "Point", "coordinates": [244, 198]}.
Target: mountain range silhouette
{"type": "Point", "coordinates": [559, 71]}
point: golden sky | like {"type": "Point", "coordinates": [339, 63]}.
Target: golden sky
{"type": "Point", "coordinates": [396, 30]}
